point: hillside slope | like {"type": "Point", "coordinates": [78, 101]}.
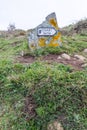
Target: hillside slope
{"type": "Point", "coordinates": [78, 28]}
{"type": "Point", "coordinates": [45, 89]}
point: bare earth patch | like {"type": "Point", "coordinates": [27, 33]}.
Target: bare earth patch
{"type": "Point", "coordinates": [75, 63]}
{"type": "Point", "coordinates": [29, 108]}
{"type": "Point", "coordinates": [25, 59]}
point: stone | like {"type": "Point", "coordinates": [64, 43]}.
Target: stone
{"type": "Point", "coordinates": [85, 50]}
{"type": "Point", "coordinates": [22, 53]}
{"type": "Point", "coordinates": [55, 126]}
{"type": "Point", "coordinates": [80, 57]}
{"type": "Point", "coordinates": [59, 58]}
{"type": "Point", "coordinates": [45, 34]}
{"type": "Point", "coordinates": [65, 56]}
{"type": "Point", "coordinates": [84, 65]}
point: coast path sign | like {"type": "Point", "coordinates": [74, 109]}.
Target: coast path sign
{"type": "Point", "coordinates": [46, 31]}
{"type": "Point", "coordinates": [45, 34]}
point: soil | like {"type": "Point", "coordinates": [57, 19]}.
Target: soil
{"type": "Point", "coordinates": [29, 108]}
{"type": "Point", "coordinates": [75, 63]}
{"type": "Point", "coordinates": [25, 59]}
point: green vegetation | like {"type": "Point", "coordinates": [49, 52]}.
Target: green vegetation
{"type": "Point", "coordinates": [70, 45]}
{"type": "Point", "coordinates": [54, 91]}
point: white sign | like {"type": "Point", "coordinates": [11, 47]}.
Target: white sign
{"type": "Point", "coordinates": [46, 31]}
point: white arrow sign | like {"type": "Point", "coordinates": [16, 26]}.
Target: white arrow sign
{"type": "Point", "coordinates": [46, 31]}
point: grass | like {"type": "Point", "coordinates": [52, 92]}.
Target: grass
{"type": "Point", "coordinates": [70, 45]}
{"type": "Point", "coordinates": [57, 92]}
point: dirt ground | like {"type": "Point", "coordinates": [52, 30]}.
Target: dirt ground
{"type": "Point", "coordinates": [29, 108]}
{"type": "Point", "coordinates": [75, 63]}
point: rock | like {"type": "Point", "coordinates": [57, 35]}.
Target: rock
{"type": "Point", "coordinates": [59, 58]}
{"type": "Point", "coordinates": [65, 56]}
{"type": "Point", "coordinates": [22, 53]}
{"type": "Point", "coordinates": [80, 57]}
{"type": "Point", "coordinates": [55, 126]}
{"type": "Point", "coordinates": [45, 34]}
{"type": "Point", "coordinates": [84, 65]}
{"type": "Point", "coordinates": [85, 50]}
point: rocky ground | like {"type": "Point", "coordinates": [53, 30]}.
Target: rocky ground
{"type": "Point", "coordinates": [78, 62]}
